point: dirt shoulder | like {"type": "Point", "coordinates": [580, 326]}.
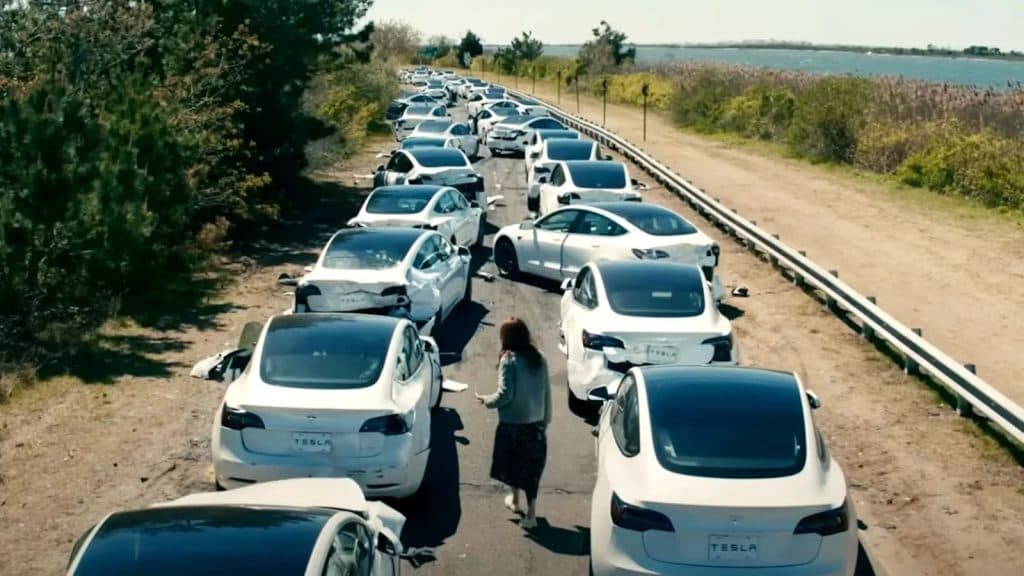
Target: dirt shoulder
{"type": "Point", "coordinates": [950, 273]}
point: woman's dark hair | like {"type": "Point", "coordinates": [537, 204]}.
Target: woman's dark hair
{"type": "Point", "coordinates": [515, 337]}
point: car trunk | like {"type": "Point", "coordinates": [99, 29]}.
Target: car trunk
{"type": "Point", "coordinates": [591, 195]}
{"type": "Point", "coordinates": [356, 290]}
{"type": "Point", "coordinates": [732, 523]}
{"type": "Point", "coordinates": [660, 341]}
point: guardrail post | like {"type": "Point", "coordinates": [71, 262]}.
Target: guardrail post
{"type": "Point", "coordinates": [750, 241]}
{"type": "Point", "coordinates": [830, 302]}
{"type": "Point", "coordinates": [771, 257]}
{"type": "Point", "coordinates": [910, 366]}
{"type": "Point", "coordinates": [963, 407]}
{"type": "Point", "coordinates": [866, 331]}
{"type": "Point", "coordinates": [798, 279]}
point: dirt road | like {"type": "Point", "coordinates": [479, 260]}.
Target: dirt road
{"type": "Point", "coordinates": [938, 499]}
{"type": "Point", "coordinates": [956, 276]}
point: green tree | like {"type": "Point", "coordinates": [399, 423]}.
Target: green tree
{"type": "Point", "coordinates": [506, 59]}
{"type": "Point", "coordinates": [527, 48]}
{"type": "Point", "coordinates": [607, 49]}
{"type": "Point", "coordinates": [394, 40]}
{"type": "Point", "coordinates": [472, 45]}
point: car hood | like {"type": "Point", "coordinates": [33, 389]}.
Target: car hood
{"type": "Point", "coordinates": [389, 220]}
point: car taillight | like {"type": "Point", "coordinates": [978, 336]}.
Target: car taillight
{"type": "Point", "coordinates": [302, 294]}
{"type": "Point", "coordinates": [600, 341]}
{"type": "Point", "coordinates": [390, 425]}
{"type": "Point", "coordinates": [238, 419]}
{"type": "Point", "coordinates": [723, 347]}
{"type": "Point", "coordinates": [638, 519]}
{"type": "Point", "coordinates": [649, 254]}
{"type": "Point", "coordinates": [826, 523]}
{"type": "Point", "coordinates": [714, 252]}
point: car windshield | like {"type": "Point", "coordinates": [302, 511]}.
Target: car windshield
{"type": "Point", "coordinates": [410, 143]}
{"type": "Point", "coordinates": [726, 425]}
{"type": "Point", "coordinates": [559, 134]}
{"type": "Point", "coordinates": [248, 539]}
{"type": "Point", "coordinates": [368, 249]}
{"type": "Point", "coordinates": [327, 352]}
{"type": "Point", "coordinates": [653, 219]}
{"type": "Point", "coordinates": [400, 200]}
{"type": "Point", "coordinates": [654, 290]}
{"type": "Point", "coordinates": [434, 84]}
{"type": "Point", "coordinates": [570, 150]}
{"type": "Point", "coordinates": [598, 174]}
{"type": "Point", "coordinates": [433, 126]}
{"type": "Point", "coordinates": [440, 157]}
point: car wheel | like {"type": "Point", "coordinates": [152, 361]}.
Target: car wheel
{"type": "Point", "coordinates": [467, 295]}
{"type": "Point", "coordinates": [505, 258]}
{"type": "Point", "coordinates": [494, 152]}
{"type": "Point", "coordinates": [435, 331]}
{"type": "Point", "coordinates": [218, 486]}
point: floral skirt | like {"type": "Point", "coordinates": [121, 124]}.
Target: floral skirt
{"type": "Point", "coordinates": [520, 452]}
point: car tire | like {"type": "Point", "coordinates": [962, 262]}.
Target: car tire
{"type": "Point", "coordinates": [435, 331]}
{"type": "Point", "coordinates": [505, 258]}
{"type": "Point", "coordinates": [578, 407]}
{"type": "Point", "coordinates": [467, 294]}
{"type": "Point", "coordinates": [218, 486]}
{"type": "Point", "coordinates": [494, 152]}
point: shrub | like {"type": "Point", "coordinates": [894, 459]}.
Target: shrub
{"type": "Point", "coordinates": [828, 117]}
{"type": "Point", "coordinates": [627, 89]}
{"type": "Point", "coordinates": [356, 96]}
{"type": "Point", "coordinates": [762, 111]}
{"type": "Point", "coordinates": [701, 103]}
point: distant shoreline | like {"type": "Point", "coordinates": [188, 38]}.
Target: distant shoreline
{"type": "Point", "coordinates": [978, 52]}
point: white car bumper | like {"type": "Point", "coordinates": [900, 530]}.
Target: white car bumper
{"type": "Point", "coordinates": [395, 473]}
{"type": "Point", "coordinates": [513, 145]}
{"type": "Point", "coordinates": [595, 371]}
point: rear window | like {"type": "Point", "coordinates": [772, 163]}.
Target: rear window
{"type": "Point", "coordinates": [371, 249]}
{"type": "Point", "coordinates": [410, 143]}
{"type": "Point", "coordinates": [654, 220]}
{"type": "Point", "coordinates": [570, 150]}
{"type": "Point", "coordinates": [435, 126]}
{"type": "Point", "coordinates": [598, 174]}
{"type": "Point", "coordinates": [727, 426]}
{"type": "Point", "coordinates": [440, 157]}
{"type": "Point", "coordinates": [418, 110]}
{"type": "Point", "coordinates": [654, 291]}
{"type": "Point", "coordinates": [399, 200]}
{"type": "Point", "coordinates": [256, 541]}
{"type": "Point", "coordinates": [325, 352]}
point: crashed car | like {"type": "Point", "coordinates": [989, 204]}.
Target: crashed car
{"type": "Point", "coordinates": [438, 208]}
{"type": "Point", "coordinates": [300, 527]}
{"type": "Point", "coordinates": [586, 182]}
{"type": "Point", "coordinates": [404, 272]}
{"type": "Point", "coordinates": [512, 135]}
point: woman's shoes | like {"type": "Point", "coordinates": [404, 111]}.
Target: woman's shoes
{"type": "Point", "coordinates": [528, 523]}
{"type": "Point", "coordinates": [512, 506]}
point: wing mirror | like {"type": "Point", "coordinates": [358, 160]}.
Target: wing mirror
{"type": "Point", "coordinates": [542, 180]}
{"type": "Point", "coordinates": [638, 184]}
{"type": "Point", "coordinates": [600, 394]}
{"type": "Point", "coordinates": [609, 157]}
{"type": "Point", "coordinates": [463, 251]}
{"type": "Point", "coordinates": [379, 168]}
{"type": "Point", "coordinates": [813, 400]}
{"type": "Point", "coordinates": [383, 155]}
{"type": "Point", "coordinates": [564, 199]}
{"type": "Point", "coordinates": [285, 279]}
{"type": "Point", "coordinates": [526, 225]}
{"type": "Point", "coordinates": [567, 284]}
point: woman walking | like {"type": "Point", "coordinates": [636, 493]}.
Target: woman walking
{"type": "Point", "coordinates": [523, 402]}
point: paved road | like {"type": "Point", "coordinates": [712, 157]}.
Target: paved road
{"type": "Point", "coordinates": [460, 509]}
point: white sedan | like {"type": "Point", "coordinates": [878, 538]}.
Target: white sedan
{"type": "Point", "coordinates": [512, 135]}
{"type": "Point", "coordinates": [300, 526]}
{"type": "Point", "coordinates": [619, 314]}
{"type": "Point", "coordinates": [535, 147]}
{"type": "Point", "coordinates": [557, 245]}
{"type": "Point", "coordinates": [552, 147]}
{"type": "Point", "coordinates": [405, 272]}
{"type": "Point", "coordinates": [586, 182]}
{"type": "Point", "coordinates": [458, 131]}
{"type": "Point", "coordinates": [487, 119]}
{"type": "Point", "coordinates": [481, 100]}
{"type": "Point", "coordinates": [331, 395]}
{"type": "Point", "coordinates": [416, 113]}
{"type": "Point", "coordinates": [438, 208]}
{"type": "Point", "coordinates": [717, 471]}
{"type": "Point", "coordinates": [437, 166]}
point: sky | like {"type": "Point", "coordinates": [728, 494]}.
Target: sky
{"type": "Point", "coordinates": [909, 23]}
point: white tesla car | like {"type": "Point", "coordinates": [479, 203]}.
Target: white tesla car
{"type": "Point", "coordinates": [471, 83]}
{"type": "Point", "coordinates": [480, 100]}
{"type": "Point", "coordinates": [428, 207]}
{"type": "Point", "coordinates": [331, 395]}
{"type": "Point", "coordinates": [586, 182]}
{"type": "Point", "coordinates": [717, 471]}
{"type": "Point", "coordinates": [416, 113]}
{"type": "Point", "coordinates": [300, 526]}
{"type": "Point", "coordinates": [437, 166]}
{"type": "Point", "coordinates": [458, 131]}
{"type": "Point", "coordinates": [619, 314]}
{"type": "Point", "coordinates": [535, 147]}
{"type": "Point", "coordinates": [435, 89]}
{"type": "Point", "coordinates": [487, 119]}
{"type": "Point", "coordinates": [557, 245]}
{"type": "Point", "coordinates": [551, 147]}
{"type": "Point", "coordinates": [512, 135]}
{"type": "Point", "coordinates": [404, 272]}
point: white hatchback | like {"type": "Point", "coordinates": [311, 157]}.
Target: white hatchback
{"type": "Point", "coordinates": [331, 395]}
{"type": "Point", "coordinates": [717, 471]}
{"type": "Point", "coordinates": [586, 182]}
{"type": "Point", "coordinates": [438, 208]}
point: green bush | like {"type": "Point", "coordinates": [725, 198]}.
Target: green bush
{"type": "Point", "coordinates": [828, 117]}
{"type": "Point", "coordinates": [355, 97]}
{"type": "Point", "coordinates": [702, 103]}
{"type": "Point", "coordinates": [627, 89]}
{"type": "Point", "coordinates": [762, 111]}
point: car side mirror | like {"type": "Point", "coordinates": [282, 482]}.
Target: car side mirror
{"type": "Point", "coordinates": [382, 155]}
{"type": "Point", "coordinates": [379, 168]}
{"type": "Point", "coordinates": [526, 225]}
{"type": "Point", "coordinates": [463, 251]}
{"type": "Point", "coordinates": [386, 546]}
{"type": "Point", "coordinates": [567, 284]}
{"type": "Point", "coordinates": [285, 279]}
{"type": "Point", "coordinates": [609, 157]}
{"type": "Point", "coordinates": [600, 394]}
{"type": "Point", "coordinates": [307, 269]}
{"type": "Point", "coordinates": [542, 180]}
{"type": "Point", "coordinates": [813, 400]}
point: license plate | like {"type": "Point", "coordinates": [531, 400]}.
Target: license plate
{"type": "Point", "coordinates": [311, 442]}
{"type": "Point", "coordinates": [351, 301]}
{"type": "Point", "coordinates": [732, 547]}
{"type": "Point", "coordinates": [664, 354]}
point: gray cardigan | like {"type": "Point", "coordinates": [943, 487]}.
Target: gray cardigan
{"type": "Point", "coordinates": [524, 394]}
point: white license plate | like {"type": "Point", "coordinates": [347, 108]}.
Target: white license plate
{"type": "Point", "coordinates": [311, 442]}
{"type": "Point", "coordinates": [351, 301]}
{"type": "Point", "coordinates": [663, 354]}
{"type": "Point", "coordinates": [733, 547]}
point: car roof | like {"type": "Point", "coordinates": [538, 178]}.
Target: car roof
{"type": "Point", "coordinates": [439, 123]}
{"type": "Point", "coordinates": [662, 273]}
{"type": "Point", "coordinates": [631, 210]}
{"type": "Point", "coordinates": [422, 191]}
{"type": "Point", "coordinates": [729, 379]}
{"type": "Point", "coordinates": [564, 144]}
{"type": "Point", "coordinates": [402, 236]}
{"type": "Point", "coordinates": [435, 153]}
{"type": "Point", "coordinates": [332, 493]}
{"type": "Point", "coordinates": [362, 322]}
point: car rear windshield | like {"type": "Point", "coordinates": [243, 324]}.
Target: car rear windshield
{"type": "Point", "coordinates": [570, 150]}
{"type": "Point", "coordinates": [399, 200]}
{"type": "Point", "coordinates": [370, 249]}
{"type": "Point", "coordinates": [654, 290]}
{"type": "Point", "coordinates": [440, 157]}
{"type": "Point", "coordinates": [727, 427]}
{"type": "Point", "coordinates": [410, 143]}
{"type": "Point", "coordinates": [325, 352]}
{"type": "Point", "coordinates": [598, 174]}
{"type": "Point", "coordinates": [418, 110]}
{"type": "Point", "coordinates": [653, 219]}
{"type": "Point", "coordinates": [204, 541]}
{"type": "Point", "coordinates": [434, 126]}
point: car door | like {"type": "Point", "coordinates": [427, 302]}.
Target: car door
{"type": "Point", "coordinates": [465, 219]}
{"type": "Point", "coordinates": [542, 253]}
{"type": "Point", "coordinates": [577, 305]}
{"type": "Point", "coordinates": [414, 386]}
{"type": "Point", "coordinates": [470, 145]}
{"type": "Point", "coordinates": [426, 284]}
{"type": "Point", "coordinates": [549, 190]}
{"type": "Point", "coordinates": [445, 216]}
{"type": "Point", "coordinates": [353, 552]}
{"type": "Point", "coordinates": [452, 275]}
{"type": "Point", "coordinates": [588, 240]}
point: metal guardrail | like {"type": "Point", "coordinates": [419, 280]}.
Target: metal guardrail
{"type": "Point", "coordinates": [973, 393]}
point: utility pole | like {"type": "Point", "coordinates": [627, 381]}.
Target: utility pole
{"type": "Point", "coordinates": [604, 94]}
{"type": "Point", "coordinates": [533, 69]}
{"type": "Point", "coordinates": [576, 81]}
{"type": "Point", "coordinates": [559, 87]}
{"type": "Point", "coordinates": [645, 90]}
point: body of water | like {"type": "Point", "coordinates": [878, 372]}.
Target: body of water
{"type": "Point", "coordinates": [970, 71]}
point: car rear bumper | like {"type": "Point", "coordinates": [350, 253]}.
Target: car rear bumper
{"type": "Point", "coordinates": [394, 474]}
{"type": "Point", "coordinates": [505, 145]}
{"type": "Point", "coordinates": [595, 371]}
